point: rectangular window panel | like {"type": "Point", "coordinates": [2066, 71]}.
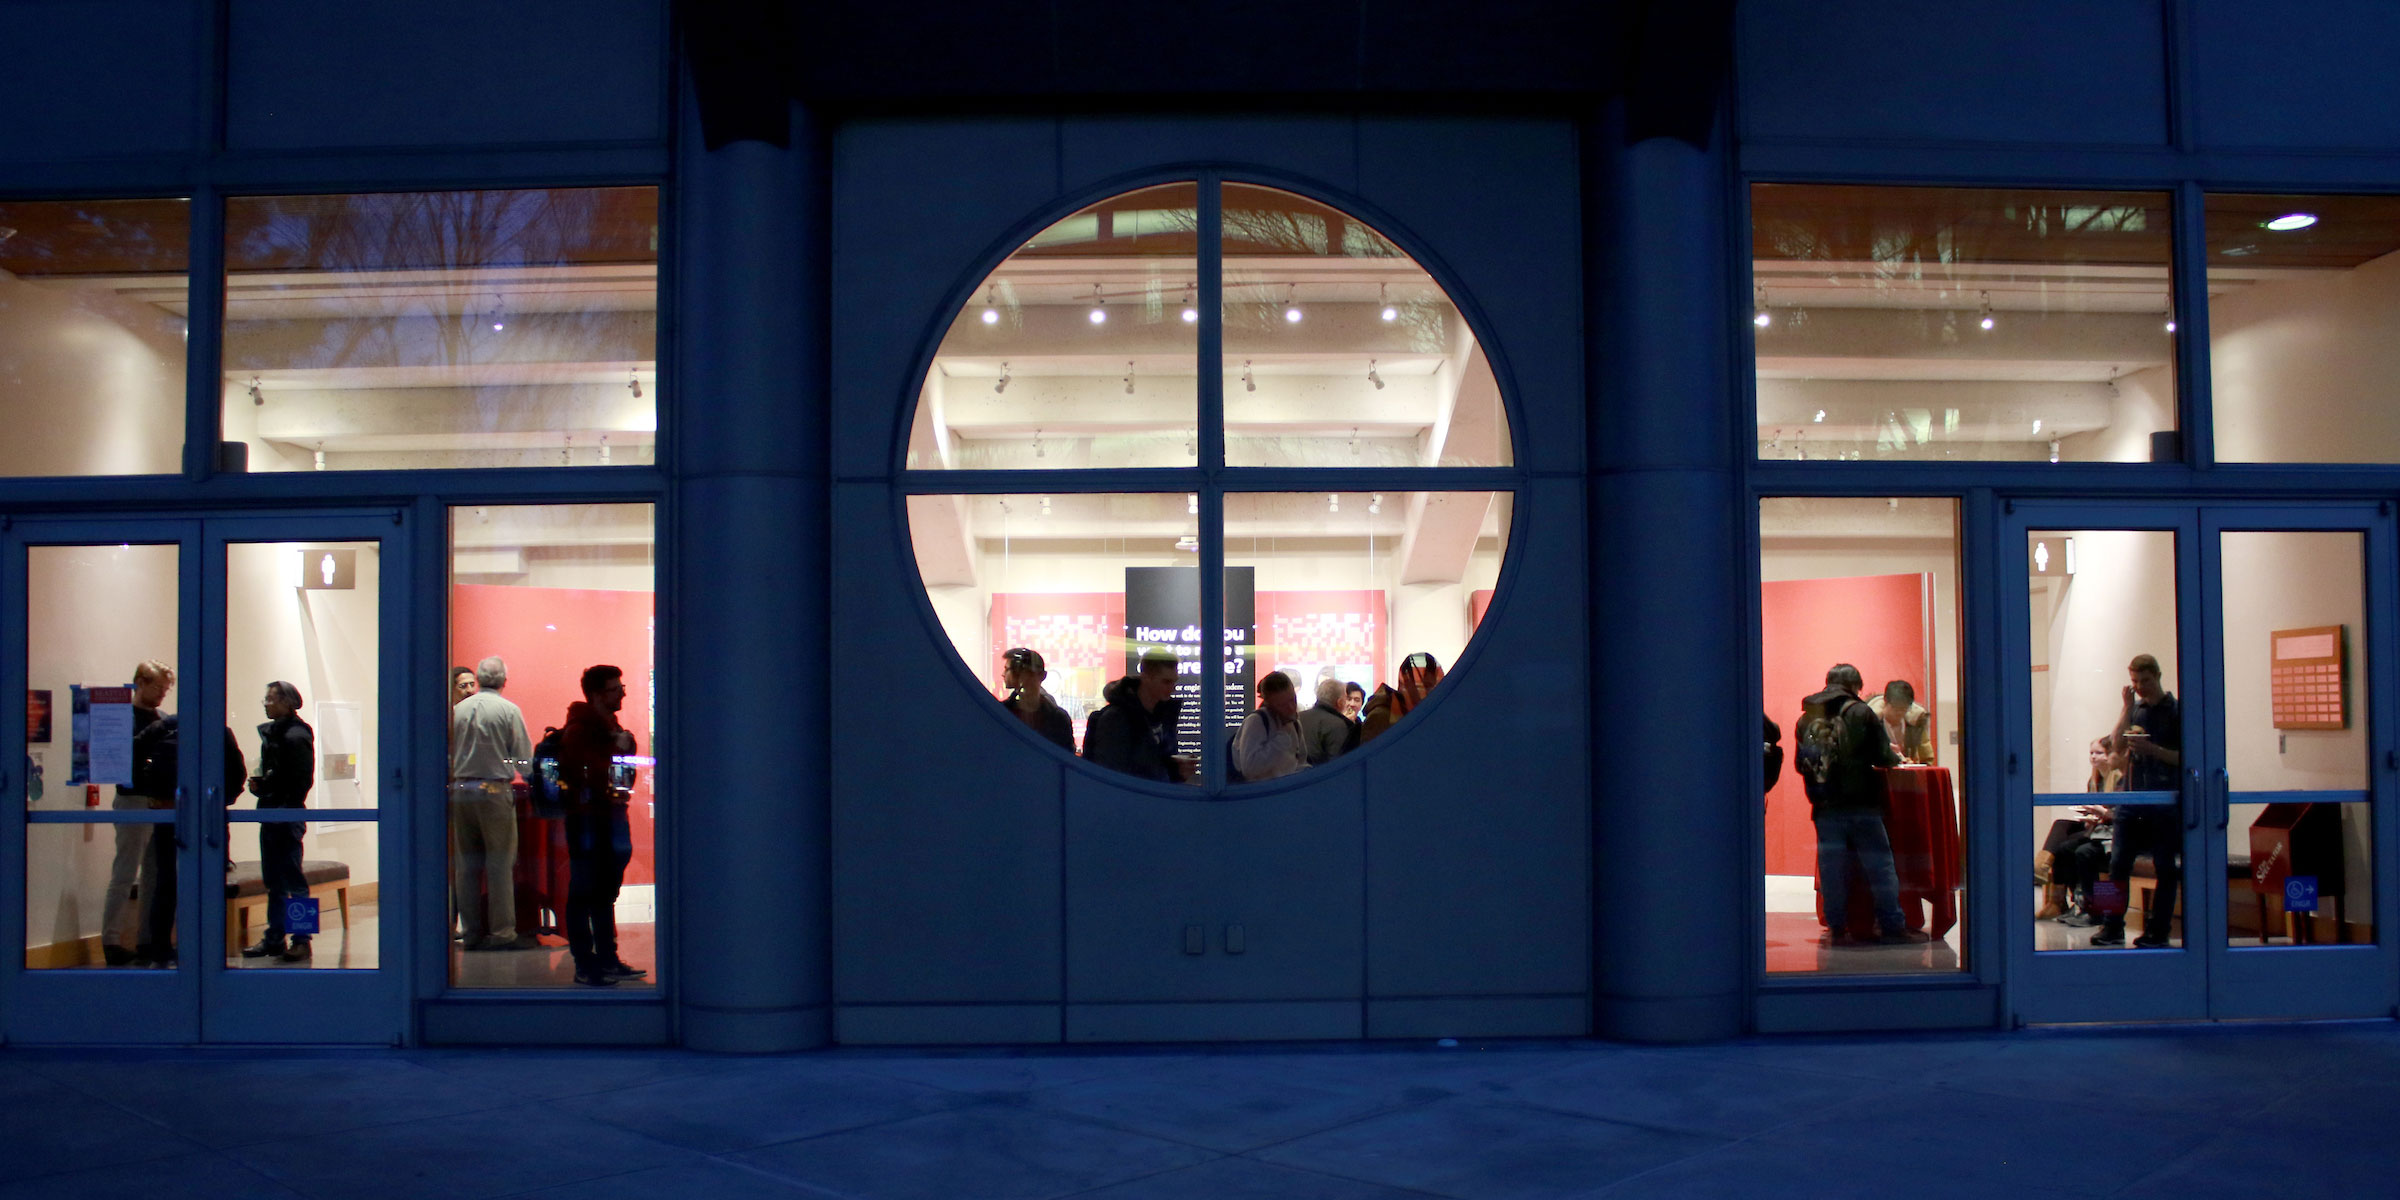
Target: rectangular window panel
{"type": "Point", "coordinates": [540, 595]}
{"type": "Point", "coordinates": [1858, 642]}
{"type": "Point", "coordinates": [93, 300]}
{"type": "Point", "coordinates": [442, 329]}
{"type": "Point", "coordinates": [1962, 323]}
{"type": "Point", "coordinates": [2302, 296]}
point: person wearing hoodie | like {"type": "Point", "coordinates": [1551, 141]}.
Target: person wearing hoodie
{"type": "Point", "coordinates": [1134, 731]}
{"type": "Point", "coordinates": [1325, 733]}
{"type": "Point", "coordinates": [599, 833]}
{"type": "Point", "coordinates": [1418, 673]}
{"type": "Point", "coordinates": [1023, 673]}
{"type": "Point", "coordinates": [1846, 803]}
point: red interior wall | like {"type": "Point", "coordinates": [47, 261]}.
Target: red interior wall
{"type": "Point", "coordinates": [548, 636]}
{"type": "Point", "coordinates": [1877, 623]}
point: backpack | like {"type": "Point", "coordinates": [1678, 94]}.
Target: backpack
{"type": "Point", "coordinates": [542, 782]}
{"type": "Point", "coordinates": [1773, 748]}
{"type": "Point", "coordinates": [1824, 749]}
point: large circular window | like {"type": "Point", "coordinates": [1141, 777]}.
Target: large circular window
{"type": "Point", "coordinates": [1209, 456]}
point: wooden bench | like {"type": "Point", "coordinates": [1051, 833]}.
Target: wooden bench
{"type": "Point", "coordinates": [246, 893]}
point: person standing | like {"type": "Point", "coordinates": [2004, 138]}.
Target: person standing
{"type": "Point", "coordinates": [1022, 673]}
{"type": "Point", "coordinates": [596, 787]}
{"type": "Point", "coordinates": [1842, 742]}
{"type": "Point", "coordinates": [1135, 731]}
{"type": "Point", "coordinates": [488, 749]}
{"type": "Point", "coordinates": [1267, 746]}
{"type": "Point", "coordinates": [2149, 734]}
{"type": "Point", "coordinates": [141, 945]}
{"type": "Point", "coordinates": [287, 769]}
{"type": "Point", "coordinates": [1907, 724]}
{"type": "Point", "coordinates": [1325, 731]}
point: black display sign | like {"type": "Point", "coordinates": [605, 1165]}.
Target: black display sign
{"type": "Point", "coordinates": [1162, 610]}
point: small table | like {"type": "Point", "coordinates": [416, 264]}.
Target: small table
{"type": "Point", "coordinates": [1922, 821]}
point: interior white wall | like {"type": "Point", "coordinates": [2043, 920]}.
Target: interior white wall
{"type": "Point", "coordinates": [90, 383]}
{"type": "Point", "coordinates": [92, 613]}
{"type": "Point", "coordinates": [327, 643]}
{"type": "Point", "coordinates": [2119, 603]}
{"type": "Point", "coordinates": [2142, 401]}
{"type": "Point", "coordinates": [2302, 368]}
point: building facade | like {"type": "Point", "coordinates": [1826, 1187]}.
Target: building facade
{"type": "Point", "coordinates": [1579, 387]}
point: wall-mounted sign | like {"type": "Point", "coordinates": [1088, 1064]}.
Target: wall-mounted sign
{"type": "Point", "coordinates": [2051, 556]}
{"type": "Point", "coordinates": [328, 570]}
{"type": "Point", "coordinates": [2306, 682]}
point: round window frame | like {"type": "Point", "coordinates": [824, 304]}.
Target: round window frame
{"type": "Point", "coordinates": [1209, 483]}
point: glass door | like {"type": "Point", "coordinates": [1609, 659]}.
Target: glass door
{"type": "Point", "coordinates": [2301, 762]}
{"type": "Point", "coordinates": [94, 873]}
{"type": "Point", "coordinates": [2193, 735]}
{"type": "Point", "coordinates": [206, 823]}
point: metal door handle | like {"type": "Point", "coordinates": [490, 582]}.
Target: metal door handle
{"type": "Point", "coordinates": [2224, 799]}
{"type": "Point", "coordinates": [2191, 799]}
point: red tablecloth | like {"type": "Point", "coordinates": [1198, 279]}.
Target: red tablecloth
{"type": "Point", "coordinates": [1923, 823]}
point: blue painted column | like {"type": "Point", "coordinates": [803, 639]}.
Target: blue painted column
{"type": "Point", "coordinates": [1671, 775]}
{"type": "Point", "coordinates": [749, 559]}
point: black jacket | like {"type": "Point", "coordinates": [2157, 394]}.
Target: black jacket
{"type": "Point", "coordinates": [287, 763]}
{"type": "Point", "coordinates": [1051, 721]}
{"type": "Point", "coordinates": [1855, 785]}
{"type": "Point", "coordinates": [1122, 737]}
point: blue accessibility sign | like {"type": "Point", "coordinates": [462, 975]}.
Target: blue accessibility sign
{"type": "Point", "coordinates": [300, 915]}
{"type": "Point", "coordinates": [2300, 894]}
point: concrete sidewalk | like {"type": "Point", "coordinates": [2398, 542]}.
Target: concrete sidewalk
{"type": "Point", "coordinates": [2248, 1112]}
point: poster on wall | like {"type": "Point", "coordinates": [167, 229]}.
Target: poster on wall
{"type": "Point", "coordinates": [102, 728]}
{"type": "Point", "coordinates": [37, 714]}
{"type": "Point", "coordinates": [1162, 610]}
{"type": "Point", "coordinates": [1317, 635]}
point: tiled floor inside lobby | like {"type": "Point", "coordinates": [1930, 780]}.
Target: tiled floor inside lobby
{"type": "Point", "coordinates": [2233, 1111]}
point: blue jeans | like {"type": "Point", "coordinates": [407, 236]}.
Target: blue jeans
{"type": "Point", "coordinates": [1856, 840]}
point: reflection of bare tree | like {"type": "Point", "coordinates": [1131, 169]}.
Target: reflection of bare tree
{"type": "Point", "coordinates": [443, 279]}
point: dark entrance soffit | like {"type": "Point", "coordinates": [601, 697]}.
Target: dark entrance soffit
{"type": "Point", "coordinates": [750, 58]}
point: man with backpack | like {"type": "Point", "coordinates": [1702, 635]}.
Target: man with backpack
{"type": "Point", "coordinates": [595, 771]}
{"type": "Point", "coordinates": [1842, 743]}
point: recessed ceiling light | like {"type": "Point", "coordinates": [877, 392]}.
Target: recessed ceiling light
{"type": "Point", "coordinates": [2291, 221]}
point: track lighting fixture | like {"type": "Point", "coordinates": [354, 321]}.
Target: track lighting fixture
{"type": "Point", "coordinates": [1760, 317]}
{"type": "Point", "coordinates": [499, 321]}
{"type": "Point", "coordinates": [1045, 506]}
{"type": "Point", "coordinates": [1249, 382]}
{"type": "Point", "coordinates": [2054, 450]}
{"type": "Point", "coordinates": [320, 456]}
{"type": "Point", "coordinates": [257, 397]}
{"type": "Point", "coordinates": [1037, 444]}
{"type": "Point", "coordinates": [1099, 307]}
{"type": "Point", "coordinates": [1354, 441]}
{"type": "Point", "coordinates": [1191, 504]}
{"type": "Point", "coordinates": [1987, 322]}
{"type": "Point", "coordinates": [1383, 299]}
{"type": "Point", "coordinates": [1333, 502]}
{"type": "Point", "coordinates": [991, 309]}
{"type": "Point", "coordinates": [1372, 377]}
{"type": "Point", "coordinates": [1001, 386]}
{"type": "Point", "coordinates": [1375, 504]}
{"type": "Point", "coordinates": [633, 383]}
{"type": "Point", "coordinates": [1129, 377]}
{"type": "Point", "coordinates": [604, 449]}
{"type": "Point", "coordinates": [2170, 324]}
{"type": "Point", "coordinates": [1291, 303]}
{"type": "Point", "coordinates": [566, 453]}
{"type": "Point", "coordinates": [1191, 315]}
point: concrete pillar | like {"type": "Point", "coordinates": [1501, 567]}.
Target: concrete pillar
{"type": "Point", "coordinates": [1670, 806]}
{"type": "Point", "coordinates": [750, 561]}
